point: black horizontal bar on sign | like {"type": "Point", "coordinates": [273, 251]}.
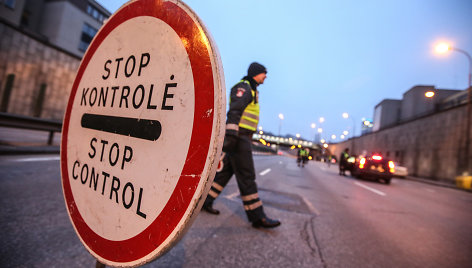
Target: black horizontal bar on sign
{"type": "Point", "coordinates": [135, 127]}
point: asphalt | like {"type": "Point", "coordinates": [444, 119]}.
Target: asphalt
{"type": "Point", "coordinates": [20, 141]}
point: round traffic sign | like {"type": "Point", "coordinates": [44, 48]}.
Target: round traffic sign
{"type": "Point", "coordinates": [142, 130]}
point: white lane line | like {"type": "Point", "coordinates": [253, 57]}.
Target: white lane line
{"type": "Point", "coordinates": [280, 162]}
{"type": "Point", "coordinates": [232, 196]}
{"type": "Point", "coordinates": [34, 159]}
{"type": "Point", "coordinates": [310, 206]}
{"type": "Point", "coordinates": [265, 172]}
{"type": "Point", "coordinates": [430, 190]}
{"type": "Point", "coordinates": [370, 189]}
{"type": "Point", "coordinates": [323, 168]}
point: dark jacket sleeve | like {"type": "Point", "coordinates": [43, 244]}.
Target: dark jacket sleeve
{"type": "Point", "coordinates": [240, 98]}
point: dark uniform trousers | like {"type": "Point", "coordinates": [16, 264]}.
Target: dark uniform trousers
{"type": "Point", "coordinates": [241, 164]}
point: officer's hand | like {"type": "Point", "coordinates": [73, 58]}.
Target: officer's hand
{"type": "Point", "coordinates": [230, 143]}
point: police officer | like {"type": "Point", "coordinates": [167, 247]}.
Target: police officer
{"type": "Point", "coordinates": [302, 156]}
{"type": "Point", "coordinates": [241, 123]}
{"type": "Point", "coordinates": [343, 162]}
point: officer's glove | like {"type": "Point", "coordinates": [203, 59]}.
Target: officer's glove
{"type": "Point", "coordinates": [230, 143]}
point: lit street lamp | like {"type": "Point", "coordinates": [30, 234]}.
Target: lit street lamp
{"type": "Point", "coordinates": [281, 117]}
{"type": "Point", "coordinates": [429, 94]}
{"type": "Point", "coordinates": [322, 119]}
{"type": "Point", "coordinates": [443, 48]}
{"type": "Point", "coordinates": [346, 116]}
{"type": "Point", "coordinates": [313, 125]}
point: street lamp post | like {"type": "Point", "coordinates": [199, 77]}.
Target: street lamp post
{"type": "Point", "coordinates": [281, 118]}
{"type": "Point", "coordinates": [313, 125]}
{"type": "Point", "coordinates": [442, 48]}
{"type": "Point", "coordinates": [346, 116]}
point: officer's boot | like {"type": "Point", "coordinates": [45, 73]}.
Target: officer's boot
{"type": "Point", "coordinates": [208, 206]}
{"type": "Point", "coordinates": [266, 223]}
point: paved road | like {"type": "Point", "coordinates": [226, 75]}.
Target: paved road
{"type": "Point", "coordinates": [327, 221]}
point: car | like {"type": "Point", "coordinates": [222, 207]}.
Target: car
{"type": "Point", "coordinates": [400, 171]}
{"type": "Point", "coordinates": [375, 167]}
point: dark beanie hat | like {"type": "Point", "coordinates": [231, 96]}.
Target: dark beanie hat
{"type": "Point", "coordinates": [255, 69]}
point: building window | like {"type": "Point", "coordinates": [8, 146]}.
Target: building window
{"type": "Point", "coordinates": [88, 33]}
{"type": "Point", "coordinates": [10, 3]}
{"type": "Point", "coordinates": [95, 13]}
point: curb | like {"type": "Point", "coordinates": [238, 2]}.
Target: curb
{"type": "Point", "coordinates": [444, 184]}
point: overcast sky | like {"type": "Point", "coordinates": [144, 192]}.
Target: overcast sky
{"type": "Point", "coordinates": [333, 56]}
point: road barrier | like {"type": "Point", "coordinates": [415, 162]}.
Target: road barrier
{"type": "Point", "coordinates": [34, 123]}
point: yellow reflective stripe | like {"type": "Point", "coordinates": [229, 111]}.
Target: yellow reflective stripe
{"type": "Point", "coordinates": [213, 194]}
{"type": "Point", "coordinates": [248, 124]}
{"type": "Point", "coordinates": [251, 115]}
{"type": "Point", "coordinates": [248, 127]}
{"type": "Point", "coordinates": [217, 186]}
{"type": "Point", "coordinates": [249, 197]}
{"type": "Point", "coordinates": [232, 127]}
{"type": "Point", "coordinates": [249, 119]}
{"type": "Point", "coordinates": [253, 206]}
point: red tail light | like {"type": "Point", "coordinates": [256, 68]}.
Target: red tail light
{"type": "Point", "coordinates": [377, 157]}
{"type": "Point", "coordinates": [391, 166]}
{"type": "Point", "coordinates": [362, 163]}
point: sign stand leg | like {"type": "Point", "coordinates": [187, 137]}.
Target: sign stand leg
{"type": "Point", "coordinates": [99, 265]}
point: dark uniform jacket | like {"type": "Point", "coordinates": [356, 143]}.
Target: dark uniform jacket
{"type": "Point", "coordinates": [240, 98]}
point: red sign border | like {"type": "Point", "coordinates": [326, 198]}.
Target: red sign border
{"type": "Point", "coordinates": [198, 49]}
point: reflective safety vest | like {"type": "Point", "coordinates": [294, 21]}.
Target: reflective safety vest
{"type": "Point", "coordinates": [303, 152]}
{"type": "Point", "coordinates": [250, 116]}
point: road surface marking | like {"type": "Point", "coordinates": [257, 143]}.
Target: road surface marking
{"type": "Point", "coordinates": [323, 168]}
{"type": "Point", "coordinates": [310, 206]}
{"type": "Point", "coordinates": [370, 189]}
{"type": "Point", "coordinates": [265, 172]}
{"type": "Point", "coordinates": [430, 190]}
{"type": "Point", "coordinates": [280, 162]}
{"type": "Point", "coordinates": [232, 196]}
{"type": "Point", "coordinates": [32, 159]}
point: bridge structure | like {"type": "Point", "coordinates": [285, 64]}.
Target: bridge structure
{"type": "Point", "coordinates": [274, 141]}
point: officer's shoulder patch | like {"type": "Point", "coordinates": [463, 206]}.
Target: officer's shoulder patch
{"type": "Point", "coordinates": [240, 92]}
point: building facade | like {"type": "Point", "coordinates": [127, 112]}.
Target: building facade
{"type": "Point", "coordinates": [427, 135]}
{"type": "Point", "coordinates": [40, 50]}
{"type": "Point", "coordinates": [68, 24]}
{"type": "Point", "coordinates": [414, 104]}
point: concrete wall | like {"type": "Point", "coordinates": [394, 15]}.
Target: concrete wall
{"type": "Point", "coordinates": [34, 63]}
{"type": "Point", "coordinates": [432, 146]}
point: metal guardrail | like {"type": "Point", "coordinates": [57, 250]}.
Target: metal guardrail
{"type": "Point", "coordinates": [34, 123]}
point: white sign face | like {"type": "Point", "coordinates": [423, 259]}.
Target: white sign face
{"type": "Point", "coordinates": [142, 131]}
{"type": "Point", "coordinates": [129, 81]}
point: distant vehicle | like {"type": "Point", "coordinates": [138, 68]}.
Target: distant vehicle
{"type": "Point", "coordinates": [400, 171]}
{"type": "Point", "coordinates": [375, 167]}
